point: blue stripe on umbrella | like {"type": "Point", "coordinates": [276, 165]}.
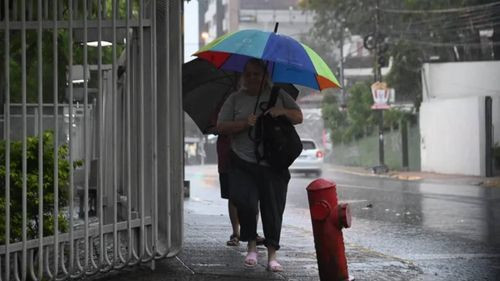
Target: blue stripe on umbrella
{"type": "Point", "coordinates": [286, 74]}
{"type": "Point", "coordinates": [281, 74]}
{"type": "Point", "coordinates": [237, 63]}
{"type": "Point", "coordinates": [286, 50]}
{"type": "Point", "coordinates": [246, 42]}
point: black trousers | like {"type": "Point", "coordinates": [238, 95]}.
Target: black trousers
{"type": "Point", "coordinates": [251, 184]}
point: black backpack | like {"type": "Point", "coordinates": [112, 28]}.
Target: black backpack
{"type": "Point", "coordinates": [280, 141]}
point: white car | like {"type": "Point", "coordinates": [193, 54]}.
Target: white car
{"type": "Point", "coordinates": [310, 160]}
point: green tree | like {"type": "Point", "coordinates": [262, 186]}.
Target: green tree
{"type": "Point", "coordinates": [362, 118]}
{"type": "Point", "coordinates": [412, 34]}
{"type": "Point", "coordinates": [335, 120]}
{"type": "Point", "coordinates": [356, 121]}
{"type": "Point", "coordinates": [405, 74]}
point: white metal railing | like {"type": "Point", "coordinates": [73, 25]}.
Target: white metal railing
{"type": "Point", "coordinates": [91, 136]}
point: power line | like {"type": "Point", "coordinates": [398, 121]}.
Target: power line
{"type": "Point", "coordinates": [442, 29]}
{"type": "Point", "coordinates": [459, 19]}
{"type": "Point", "coordinates": [440, 11]}
{"type": "Point", "coordinates": [449, 44]}
{"type": "Point", "coordinates": [488, 15]}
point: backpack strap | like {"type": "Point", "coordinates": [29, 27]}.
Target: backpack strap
{"type": "Point", "coordinates": [274, 97]}
{"type": "Point", "coordinates": [259, 128]}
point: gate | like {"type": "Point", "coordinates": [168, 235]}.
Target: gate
{"type": "Point", "coordinates": [91, 149]}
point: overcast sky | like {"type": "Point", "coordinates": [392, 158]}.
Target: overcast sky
{"type": "Point", "coordinates": [190, 29]}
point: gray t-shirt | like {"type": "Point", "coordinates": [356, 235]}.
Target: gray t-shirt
{"type": "Point", "coordinates": [239, 106]}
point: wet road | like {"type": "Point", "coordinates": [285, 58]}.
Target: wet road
{"type": "Point", "coordinates": [448, 231]}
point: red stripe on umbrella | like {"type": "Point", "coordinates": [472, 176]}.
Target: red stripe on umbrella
{"type": "Point", "coordinates": [216, 58]}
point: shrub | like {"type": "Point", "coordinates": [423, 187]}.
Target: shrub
{"type": "Point", "coordinates": [16, 180]}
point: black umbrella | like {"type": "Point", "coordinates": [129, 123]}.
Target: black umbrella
{"type": "Point", "coordinates": [205, 88]}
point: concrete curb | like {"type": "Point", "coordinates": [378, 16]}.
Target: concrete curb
{"type": "Point", "coordinates": [419, 176]}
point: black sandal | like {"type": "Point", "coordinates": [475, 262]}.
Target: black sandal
{"type": "Point", "coordinates": [234, 240]}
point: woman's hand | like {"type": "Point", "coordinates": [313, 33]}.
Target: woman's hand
{"type": "Point", "coordinates": [251, 120]}
{"type": "Point", "coordinates": [234, 127]}
{"type": "Point", "coordinates": [276, 111]}
{"type": "Point", "coordinates": [294, 115]}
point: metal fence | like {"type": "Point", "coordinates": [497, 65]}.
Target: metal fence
{"type": "Point", "coordinates": [91, 150]}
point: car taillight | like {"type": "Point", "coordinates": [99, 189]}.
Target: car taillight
{"type": "Point", "coordinates": [319, 154]}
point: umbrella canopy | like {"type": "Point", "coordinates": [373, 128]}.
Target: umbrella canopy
{"type": "Point", "coordinates": [205, 88]}
{"type": "Point", "coordinates": [289, 60]}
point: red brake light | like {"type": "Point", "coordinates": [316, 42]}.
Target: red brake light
{"type": "Point", "coordinates": [319, 154]}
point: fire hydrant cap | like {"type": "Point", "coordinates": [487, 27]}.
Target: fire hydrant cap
{"type": "Point", "coordinates": [320, 184]}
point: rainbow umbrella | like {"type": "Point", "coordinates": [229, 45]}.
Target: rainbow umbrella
{"type": "Point", "coordinates": [289, 60]}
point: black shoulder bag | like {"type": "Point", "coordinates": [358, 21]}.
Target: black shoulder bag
{"type": "Point", "coordinates": [281, 143]}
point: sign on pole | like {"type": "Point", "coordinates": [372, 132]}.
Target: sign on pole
{"type": "Point", "coordinates": [381, 95]}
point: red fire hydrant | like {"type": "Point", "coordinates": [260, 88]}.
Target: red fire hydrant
{"type": "Point", "coordinates": [328, 219]}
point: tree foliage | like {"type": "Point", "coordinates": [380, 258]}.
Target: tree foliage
{"type": "Point", "coordinates": [358, 119]}
{"type": "Point", "coordinates": [412, 32]}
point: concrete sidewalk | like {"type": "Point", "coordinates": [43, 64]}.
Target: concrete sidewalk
{"type": "Point", "coordinates": [205, 256]}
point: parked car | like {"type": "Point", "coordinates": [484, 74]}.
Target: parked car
{"type": "Point", "coordinates": [310, 160]}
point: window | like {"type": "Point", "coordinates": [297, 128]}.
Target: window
{"type": "Point", "coordinates": [307, 145]}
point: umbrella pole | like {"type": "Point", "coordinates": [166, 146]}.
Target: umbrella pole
{"type": "Point", "coordinates": [265, 71]}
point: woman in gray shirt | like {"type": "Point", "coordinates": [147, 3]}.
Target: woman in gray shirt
{"type": "Point", "coordinates": [253, 183]}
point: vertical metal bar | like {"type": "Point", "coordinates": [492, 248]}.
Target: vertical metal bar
{"type": "Point", "coordinates": [46, 9]}
{"type": "Point", "coordinates": [32, 274]}
{"type": "Point", "coordinates": [168, 135]}
{"type": "Point", "coordinates": [128, 141]}
{"type": "Point", "coordinates": [63, 265]}
{"type": "Point", "coordinates": [75, 6]}
{"type": "Point", "coordinates": [14, 11]}
{"type": "Point", "coordinates": [56, 142]}
{"type": "Point", "coordinates": [47, 266]}
{"type": "Point", "coordinates": [488, 120]}
{"type": "Point", "coordinates": [16, 267]}
{"type": "Point", "coordinates": [60, 15]}
{"type": "Point", "coordinates": [141, 127]}
{"type": "Point", "coordinates": [7, 137]}
{"type": "Point", "coordinates": [155, 136]}
{"type": "Point", "coordinates": [29, 10]}
{"type": "Point", "coordinates": [165, 81]}
{"type": "Point", "coordinates": [24, 141]}
{"type": "Point", "coordinates": [85, 140]}
{"type": "Point", "coordinates": [101, 132]}
{"type": "Point", "coordinates": [71, 189]}
{"type": "Point", "coordinates": [90, 8]}
{"type": "Point", "coordinates": [40, 143]}
{"type": "Point", "coordinates": [114, 137]}
{"type": "Point", "coordinates": [104, 9]}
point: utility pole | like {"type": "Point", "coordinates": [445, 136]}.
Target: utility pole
{"type": "Point", "coordinates": [382, 168]}
{"type": "Point", "coordinates": [343, 102]}
{"type": "Point", "coordinates": [219, 14]}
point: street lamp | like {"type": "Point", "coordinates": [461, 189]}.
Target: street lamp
{"type": "Point", "coordinates": [205, 36]}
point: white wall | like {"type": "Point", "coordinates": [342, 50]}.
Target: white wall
{"type": "Point", "coordinates": [452, 115]}
{"type": "Point", "coordinates": [452, 136]}
{"type": "Point", "coordinates": [460, 79]}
